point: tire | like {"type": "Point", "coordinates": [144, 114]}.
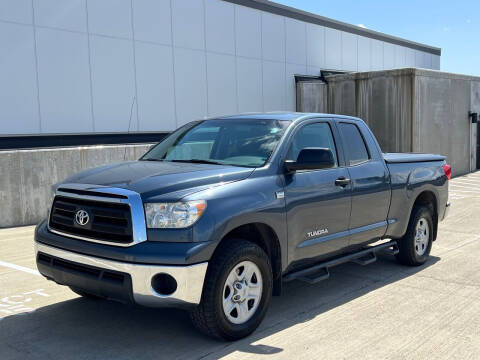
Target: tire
{"type": "Point", "coordinates": [85, 294]}
{"type": "Point", "coordinates": [414, 247]}
{"type": "Point", "coordinates": [209, 316]}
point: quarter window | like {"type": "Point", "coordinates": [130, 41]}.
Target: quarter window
{"type": "Point", "coordinates": [354, 145]}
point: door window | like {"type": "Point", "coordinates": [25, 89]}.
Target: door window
{"type": "Point", "coordinates": [317, 135]}
{"type": "Point", "coordinates": [357, 152]}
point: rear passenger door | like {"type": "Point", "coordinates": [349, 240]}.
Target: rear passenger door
{"type": "Point", "coordinates": [370, 183]}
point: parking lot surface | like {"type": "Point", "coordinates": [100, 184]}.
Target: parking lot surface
{"type": "Point", "coordinates": [383, 310]}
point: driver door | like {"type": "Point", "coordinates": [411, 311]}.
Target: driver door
{"type": "Point", "coordinates": [318, 207]}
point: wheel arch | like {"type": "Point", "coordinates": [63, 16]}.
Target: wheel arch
{"type": "Point", "coordinates": [264, 236]}
{"type": "Point", "coordinates": [429, 199]}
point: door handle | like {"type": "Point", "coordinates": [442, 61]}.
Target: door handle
{"type": "Point", "coordinates": [342, 181]}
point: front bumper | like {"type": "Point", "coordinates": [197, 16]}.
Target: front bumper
{"type": "Point", "coordinates": [120, 280]}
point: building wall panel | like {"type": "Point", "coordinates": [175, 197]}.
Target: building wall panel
{"type": "Point", "coordinates": [188, 19]}
{"type": "Point", "coordinates": [249, 85]}
{"type": "Point", "coordinates": [19, 11]}
{"type": "Point", "coordinates": [64, 81]}
{"type": "Point", "coordinates": [273, 37]}
{"type": "Point", "coordinates": [296, 45]}
{"type": "Point", "coordinates": [190, 85]}
{"type": "Point", "coordinates": [273, 86]}
{"type": "Point", "coordinates": [18, 87]}
{"type": "Point", "coordinates": [156, 100]}
{"type": "Point", "coordinates": [167, 55]}
{"type": "Point", "coordinates": [349, 51]}
{"type": "Point", "coordinates": [248, 32]}
{"type": "Point", "coordinates": [333, 48]}
{"type": "Point", "coordinates": [73, 14]}
{"type": "Point", "coordinates": [315, 43]}
{"type": "Point", "coordinates": [377, 55]}
{"type": "Point", "coordinates": [220, 26]}
{"type": "Point", "coordinates": [364, 54]}
{"type": "Point", "coordinates": [388, 56]}
{"type": "Point", "coordinates": [400, 57]}
{"type": "Point", "coordinates": [113, 84]}
{"type": "Point", "coordinates": [152, 21]}
{"type": "Point", "coordinates": [110, 17]}
{"type": "Point", "coordinates": [222, 84]}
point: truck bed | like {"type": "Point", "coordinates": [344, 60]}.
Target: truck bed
{"type": "Point", "coordinates": [396, 158]}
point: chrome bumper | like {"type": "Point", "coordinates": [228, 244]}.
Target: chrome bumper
{"type": "Point", "coordinates": [189, 278]}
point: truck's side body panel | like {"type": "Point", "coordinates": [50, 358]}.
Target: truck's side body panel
{"type": "Point", "coordinates": [409, 180]}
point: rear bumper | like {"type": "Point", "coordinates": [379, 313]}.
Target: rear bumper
{"type": "Point", "coordinates": [121, 280]}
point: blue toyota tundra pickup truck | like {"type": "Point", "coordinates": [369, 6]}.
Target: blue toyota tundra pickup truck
{"type": "Point", "coordinates": [216, 216]}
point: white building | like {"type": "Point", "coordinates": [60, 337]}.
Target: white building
{"type": "Point", "coordinates": [82, 66]}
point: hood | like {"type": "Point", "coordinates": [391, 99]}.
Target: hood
{"type": "Point", "coordinates": [157, 178]}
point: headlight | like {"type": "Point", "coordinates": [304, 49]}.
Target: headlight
{"type": "Point", "coordinates": [174, 215]}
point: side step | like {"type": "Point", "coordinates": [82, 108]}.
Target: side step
{"type": "Point", "coordinates": [320, 271]}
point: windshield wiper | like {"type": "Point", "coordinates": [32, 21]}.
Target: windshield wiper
{"type": "Point", "coordinates": [151, 159]}
{"type": "Point", "coordinates": [197, 161]}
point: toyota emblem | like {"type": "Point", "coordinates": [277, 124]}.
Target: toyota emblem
{"type": "Point", "coordinates": [81, 217]}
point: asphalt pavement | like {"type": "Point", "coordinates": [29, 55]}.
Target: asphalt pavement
{"type": "Point", "coordinates": [383, 310]}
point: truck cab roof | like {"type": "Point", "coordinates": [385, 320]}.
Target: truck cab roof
{"type": "Point", "coordinates": [286, 116]}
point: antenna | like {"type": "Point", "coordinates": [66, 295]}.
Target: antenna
{"type": "Point", "coordinates": [129, 124]}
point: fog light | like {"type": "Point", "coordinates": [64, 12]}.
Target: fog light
{"type": "Point", "coordinates": [164, 284]}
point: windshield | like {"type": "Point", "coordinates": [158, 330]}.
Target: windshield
{"type": "Point", "coordinates": [246, 142]}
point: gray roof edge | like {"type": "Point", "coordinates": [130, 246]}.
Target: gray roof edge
{"type": "Point", "coordinates": [416, 72]}
{"type": "Point", "coordinates": [287, 11]}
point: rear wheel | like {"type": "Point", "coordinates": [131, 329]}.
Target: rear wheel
{"type": "Point", "coordinates": [236, 293]}
{"type": "Point", "coordinates": [415, 246]}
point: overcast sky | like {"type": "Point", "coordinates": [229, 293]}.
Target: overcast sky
{"type": "Point", "coordinates": [453, 26]}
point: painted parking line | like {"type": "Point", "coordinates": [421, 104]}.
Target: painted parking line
{"type": "Point", "coordinates": [20, 304]}
{"type": "Point", "coordinates": [20, 268]}
{"type": "Point", "coordinates": [465, 186]}
{"type": "Point", "coordinates": [464, 183]}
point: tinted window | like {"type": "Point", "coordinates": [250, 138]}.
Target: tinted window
{"type": "Point", "coordinates": [318, 135]}
{"type": "Point", "coordinates": [354, 144]}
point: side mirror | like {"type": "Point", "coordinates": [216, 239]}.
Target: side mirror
{"type": "Point", "coordinates": [311, 159]}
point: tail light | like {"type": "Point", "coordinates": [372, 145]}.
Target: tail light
{"type": "Point", "coordinates": [448, 171]}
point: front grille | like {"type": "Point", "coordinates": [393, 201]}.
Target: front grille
{"type": "Point", "coordinates": [107, 221]}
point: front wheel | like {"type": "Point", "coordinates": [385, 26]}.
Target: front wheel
{"type": "Point", "coordinates": [236, 293]}
{"type": "Point", "coordinates": [415, 246]}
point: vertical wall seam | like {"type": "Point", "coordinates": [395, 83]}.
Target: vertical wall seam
{"type": "Point", "coordinates": [285, 86]}
{"type": "Point", "coordinates": [235, 52]}
{"type": "Point", "coordinates": [173, 67]}
{"type": "Point", "coordinates": [261, 57]}
{"type": "Point", "coordinates": [341, 49]}
{"type": "Point", "coordinates": [370, 51]}
{"type": "Point", "coordinates": [306, 51]}
{"type": "Point", "coordinates": [90, 73]}
{"type": "Point", "coordinates": [356, 37]}
{"type": "Point", "coordinates": [37, 80]}
{"type": "Point", "coordinates": [324, 55]}
{"type": "Point", "coordinates": [134, 63]}
{"type": "Point", "coordinates": [205, 53]}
